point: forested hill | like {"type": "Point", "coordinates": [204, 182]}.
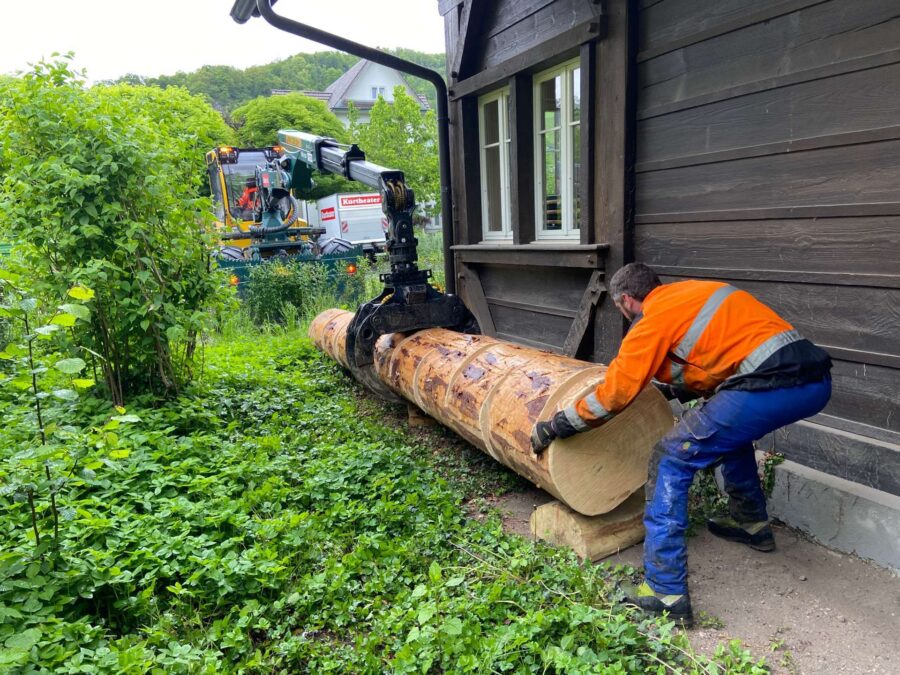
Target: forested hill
{"type": "Point", "coordinates": [228, 87]}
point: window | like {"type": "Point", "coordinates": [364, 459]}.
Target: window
{"type": "Point", "coordinates": [493, 125]}
{"type": "Point", "coordinates": [557, 102]}
{"type": "Point", "coordinates": [377, 91]}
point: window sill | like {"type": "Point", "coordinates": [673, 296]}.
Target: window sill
{"type": "Point", "coordinates": [537, 254]}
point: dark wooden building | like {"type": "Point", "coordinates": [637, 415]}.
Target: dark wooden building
{"type": "Point", "coordinates": [751, 141]}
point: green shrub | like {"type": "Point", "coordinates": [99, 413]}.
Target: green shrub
{"type": "Point", "coordinates": [287, 293]}
{"type": "Point", "coordinates": [100, 187]}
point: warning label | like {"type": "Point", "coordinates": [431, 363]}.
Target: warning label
{"type": "Point", "coordinates": [327, 213]}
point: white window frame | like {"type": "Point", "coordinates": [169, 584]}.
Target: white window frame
{"type": "Point", "coordinates": [570, 228]}
{"type": "Point", "coordinates": [505, 234]}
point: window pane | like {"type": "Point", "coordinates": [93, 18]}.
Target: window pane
{"type": "Point", "coordinates": [575, 88]}
{"type": "Point", "coordinates": [550, 170]}
{"type": "Point", "coordinates": [576, 175]}
{"type": "Point", "coordinates": [491, 122]}
{"type": "Point", "coordinates": [492, 181]}
{"type": "Point", "coordinates": [550, 102]}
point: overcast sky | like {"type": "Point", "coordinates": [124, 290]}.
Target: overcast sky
{"type": "Point", "coordinates": [160, 37]}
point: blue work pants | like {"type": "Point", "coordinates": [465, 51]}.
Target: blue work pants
{"type": "Point", "coordinates": [721, 431]}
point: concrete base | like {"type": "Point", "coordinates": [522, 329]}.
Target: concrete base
{"type": "Point", "coordinates": [842, 515]}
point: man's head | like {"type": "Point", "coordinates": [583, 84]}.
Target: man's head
{"type": "Point", "coordinates": [630, 285]}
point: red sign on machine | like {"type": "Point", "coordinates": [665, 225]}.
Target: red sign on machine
{"type": "Point", "coordinates": [327, 214]}
{"type": "Point", "coordinates": [345, 226]}
{"type": "Point", "coordinates": [360, 200]}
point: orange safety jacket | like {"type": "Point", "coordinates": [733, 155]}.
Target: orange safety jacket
{"type": "Point", "coordinates": [692, 334]}
{"type": "Point", "coordinates": [246, 200]}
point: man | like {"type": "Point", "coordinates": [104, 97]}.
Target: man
{"type": "Point", "coordinates": [757, 374]}
{"type": "Point", "coordinates": [245, 202]}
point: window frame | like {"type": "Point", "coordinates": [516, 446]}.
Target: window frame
{"type": "Point", "coordinates": [505, 235]}
{"type": "Point", "coordinates": [570, 229]}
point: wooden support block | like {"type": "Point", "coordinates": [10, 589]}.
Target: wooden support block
{"type": "Point", "coordinates": [591, 537]}
{"type": "Point", "coordinates": [416, 418]}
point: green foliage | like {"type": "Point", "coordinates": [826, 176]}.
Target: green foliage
{"type": "Point", "coordinates": [288, 292]}
{"type": "Point", "coordinates": [227, 87]}
{"type": "Point", "coordinates": [99, 186]}
{"type": "Point", "coordinates": [431, 256]}
{"type": "Point", "coordinates": [179, 114]}
{"type": "Point", "coordinates": [264, 523]}
{"type": "Point", "coordinates": [399, 136]}
{"type": "Point", "coordinates": [260, 120]}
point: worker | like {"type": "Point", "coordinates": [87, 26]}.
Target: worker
{"type": "Point", "coordinates": [755, 373]}
{"type": "Point", "coordinates": [246, 199]}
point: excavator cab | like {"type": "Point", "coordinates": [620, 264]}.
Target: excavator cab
{"type": "Point", "coordinates": [255, 219]}
{"type": "Point", "coordinates": [258, 216]}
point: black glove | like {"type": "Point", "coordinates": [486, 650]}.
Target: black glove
{"type": "Point", "coordinates": [544, 433]}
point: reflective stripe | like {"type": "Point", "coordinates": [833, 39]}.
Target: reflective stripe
{"type": "Point", "coordinates": [756, 358]}
{"type": "Point", "coordinates": [575, 419]}
{"type": "Point", "coordinates": [701, 321]}
{"type": "Point", "coordinates": [596, 408]}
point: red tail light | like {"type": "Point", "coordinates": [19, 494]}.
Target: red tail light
{"type": "Point", "coordinates": [351, 269]}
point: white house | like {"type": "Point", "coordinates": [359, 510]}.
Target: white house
{"type": "Point", "coordinates": [362, 85]}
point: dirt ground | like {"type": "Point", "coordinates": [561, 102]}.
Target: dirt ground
{"type": "Point", "coordinates": [805, 608]}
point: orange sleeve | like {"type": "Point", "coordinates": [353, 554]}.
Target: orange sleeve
{"type": "Point", "coordinates": [641, 355]}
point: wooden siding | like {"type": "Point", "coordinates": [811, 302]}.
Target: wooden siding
{"type": "Point", "coordinates": [768, 155]}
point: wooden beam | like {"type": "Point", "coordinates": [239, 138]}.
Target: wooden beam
{"type": "Point", "coordinates": [588, 63]}
{"type": "Point", "coordinates": [521, 159]}
{"type": "Point", "coordinates": [470, 21]}
{"type": "Point", "coordinates": [554, 50]}
{"type": "Point", "coordinates": [591, 537]}
{"type": "Point", "coordinates": [469, 178]}
{"type": "Point", "coordinates": [615, 142]}
{"type": "Point", "coordinates": [534, 255]}
{"type": "Point", "coordinates": [475, 300]}
{"type": "Point", "coordinates": [592, 294]}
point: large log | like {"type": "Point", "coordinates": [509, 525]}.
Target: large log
{"type": "Point", "coordinates": [493, 392]}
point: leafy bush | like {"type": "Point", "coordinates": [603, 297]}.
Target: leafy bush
{"type": "Point", "coordinates": [284, 292]}
{"type": "Point", "coordinates": [263, 522]}
{"type": "Point", "coordinates": [100, 187]}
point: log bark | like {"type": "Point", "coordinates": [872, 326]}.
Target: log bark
{"type": "Point", "coordinates": [493, 392]}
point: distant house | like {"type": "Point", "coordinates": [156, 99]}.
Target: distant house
{"type": "Point", "coordinates": [361, 85]}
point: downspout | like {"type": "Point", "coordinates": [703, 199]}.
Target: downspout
{"type": "Point", "coordinates": [391, 61]}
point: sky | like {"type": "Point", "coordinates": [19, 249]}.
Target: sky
{"type": "Point", "coordinates": [111, 38]}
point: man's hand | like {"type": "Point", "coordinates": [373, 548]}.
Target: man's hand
{"type": "Point", "coordinates": [544, 433]}
{"type": "Point", "coordinates": [541, 437]}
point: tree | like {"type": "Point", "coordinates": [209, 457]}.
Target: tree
{"type": "Point", "coordinates": [99, 187]}
{"type": "Point", "coordinates": [399, 136]}
{"type": "Point", "coordinates": [260, 120]}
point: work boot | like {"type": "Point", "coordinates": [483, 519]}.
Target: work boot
{"type": "Point", "coordinates": [757, 536]}
{"type": "Point", "coordinates": [678, 607]}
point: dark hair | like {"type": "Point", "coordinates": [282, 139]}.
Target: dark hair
{"type": "Point", "coordinates": [635, 279]}
{"type": "Point", "coordinates": [251, 182]}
